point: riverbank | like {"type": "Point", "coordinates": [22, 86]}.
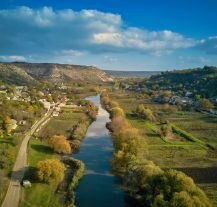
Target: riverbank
{"type": "Point", "coordinates": [176, 153]}
{"type": "Point", "coordinates": [146, 182]}
{"type": "Point", "coordinates": [55, 194]}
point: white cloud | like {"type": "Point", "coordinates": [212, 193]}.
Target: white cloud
{"type": "Point", "coordinates": [12, 58]}
{"type": "Point", "coordinates": [109, 59]}
{"type": "Point", "coordinates": [25, 31]}
{"type": "Point", "coordinates": [209, 45]}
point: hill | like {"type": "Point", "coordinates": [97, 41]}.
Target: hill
{"type": "Point", "coordinates": [201, 81]}
{"type": "Point", "coordinates": [131, 74]}
{"type": "Point", "coordinates": [22, 73]}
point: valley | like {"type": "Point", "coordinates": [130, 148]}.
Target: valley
{"type": "Point", "coordinates": [158, 133]}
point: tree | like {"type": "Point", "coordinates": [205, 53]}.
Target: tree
{"type": "Point", "coordinates": [116, 111]}
{"type": "Point", "coordinates": [205, 104]}
{"type": "Point", "coordinates": [50, 170]}
{"type": "Point", "coordinates": [145, 112]}
{"type": "Point", "coordinates": [92, 111]}
{"type": "Point", "coordinates": [1, 133]}
{"type": "Point", "coordinates": [7, 125]}
{"type": "Point", "coordinates": [60, 145]}
{"type": "Point", "coordinates": [49, 98]}
{"type": "Point", "coordinates": [166, 130]}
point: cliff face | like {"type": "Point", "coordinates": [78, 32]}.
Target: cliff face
{"type": "Point", "coordinates": [32, 72]}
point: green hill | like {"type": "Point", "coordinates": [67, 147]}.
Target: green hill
{"type": "Point", "coordinates": [201, 81]}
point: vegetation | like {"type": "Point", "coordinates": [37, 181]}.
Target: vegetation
{"type": "Point", "coordinates": [205, 104]}
{"type": "Point", "coordinates": [145, 113]}
{"type": "Point", "coordinates": [155, 187]}
{"type": "Point", "coordinates": [51, 170]}
{"type": "Point", "coordinates": [148, 183]}
{"type": "Point", "coordinates": [60, 145]}
{"type": "Point", "coordinates": [40, 194]}
{"type": "Point", "coordinates": [78, 171]}
{"type": "Point", "coordinates": [202, 81]}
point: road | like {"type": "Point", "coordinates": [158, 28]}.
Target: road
{"type": "Point", "coordinates": [13, 193]}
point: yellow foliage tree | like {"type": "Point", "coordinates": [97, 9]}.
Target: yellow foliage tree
{"type": "Point", "coordinates": [7, 125]}
{"type": "Point", "coordinates": [60, 145]}
{"type": "Point", "coordinates": [50, 170]}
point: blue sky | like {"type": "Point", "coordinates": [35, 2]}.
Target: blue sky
{"type": "Point", "coordinates": [111, 34]}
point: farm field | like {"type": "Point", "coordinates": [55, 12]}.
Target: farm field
{"type": "Point", "coordinates": [190, 157]}
{"type": "Point", "coordinates": [63, 124]}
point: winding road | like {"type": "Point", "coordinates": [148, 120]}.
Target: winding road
{"type": "Point", "coordinates": [13, 193]}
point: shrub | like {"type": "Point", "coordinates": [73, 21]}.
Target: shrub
{"type": "Point", "coordinates": [50, 170]}
{"type": "Point", "coordinates": [60, 145]}
{"type": "Point", "coordinates": [145, 113]}
{"type": "Point", "coordinates": [116, 112]}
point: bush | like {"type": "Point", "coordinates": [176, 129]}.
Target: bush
{"type": "Point", "coordinates": [60, 145]}
{"type": "Point", "coordinates": [145, 113]}
{"type": "Point", "coordinates": [92, 111]}
{"type": "Point", "coordinates": [78, 172]}
{"type": "Point", "coordinates": [116, 112]}
{"type": "Point", "coordinates": [155, 187]}
{"type": "Point", "coordinates": [50, 170]}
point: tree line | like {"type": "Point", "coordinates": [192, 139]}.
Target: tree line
{"type": "Point", "coordinates": [146, 182]}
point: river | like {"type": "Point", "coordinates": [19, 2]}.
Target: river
{"type": "Point", "coordinates": [99, 186]}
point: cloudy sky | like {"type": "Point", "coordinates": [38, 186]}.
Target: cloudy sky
{"type": "Point", "coordinates": [111, 34]}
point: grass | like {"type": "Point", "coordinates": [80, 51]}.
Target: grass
{"type": "Point", "coordinates": [164, 152]}
{"type": "Point", "coordinates": [7, 143]}
{"type": "Point", "coordinates": [39, 194]}
{"type": "Point", "coordinates": [200, 127]}
{"type": "Point", "coordinates": [63, 124]}
{"type": "Point", "coordinates": [210, 190]}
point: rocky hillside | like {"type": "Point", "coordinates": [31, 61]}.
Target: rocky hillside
{"type": "Point", "coordinates": [20, 73]}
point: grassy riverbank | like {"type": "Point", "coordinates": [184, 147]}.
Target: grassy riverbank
{"type": "Point", "coordinates": [60, 194]}
{"type": "Point", "coordinates": [40, 194]}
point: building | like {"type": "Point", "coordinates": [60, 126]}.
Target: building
{"type": "Point", "coordinates": [13, 124]}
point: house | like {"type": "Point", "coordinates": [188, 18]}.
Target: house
{"type": "Point", "coordinates": [55, 114]}
{"type": "Point", "coordinates": [46, 104]}
{"type": "Point", "coordinates": [211, 111]}
{"type": "Point", "coordinates": [188, 94]}
{"type": "Point", "coordinates": [13, 124]}
{"type": "Point", "coordinates": [180, 100]}
{"type": "Point", "coordinates": [214, 100]}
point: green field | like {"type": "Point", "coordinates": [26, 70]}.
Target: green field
{"type": "Point", "coordinates": [63, 124]}
{"type": "Point", "coordinates": [39, 194]}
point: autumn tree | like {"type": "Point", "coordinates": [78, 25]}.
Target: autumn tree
{"type": "Point", "coordinates": [7, 125]}
{"type": "Point", "coordinates": [205, 104]}
{"type": "Point", "coordinates": [116, 111]}
{"type": "Point", "coordinates": [50, 170]}
{"type": "Point", "coordinates": [166, 130]}
{"type": "Point", "coordinates": [145, 112]}
{"type": "Point", "coordinates": [92, 111]}
{"type": "Point", "coordinates": [60, 144]}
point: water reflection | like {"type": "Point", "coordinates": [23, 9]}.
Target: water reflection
{"type": "Point", "coordinates": [98, 187]}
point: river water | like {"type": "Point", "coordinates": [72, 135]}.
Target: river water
{"type": "Point", "coordinates": [98, 187]}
